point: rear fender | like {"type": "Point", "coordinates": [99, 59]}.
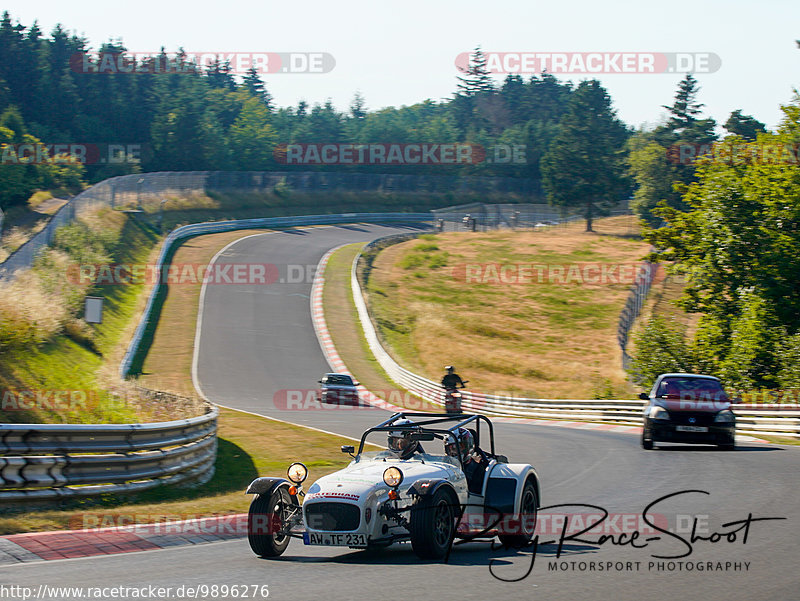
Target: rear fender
{"type": "Point", "coordinates": [505, 484]}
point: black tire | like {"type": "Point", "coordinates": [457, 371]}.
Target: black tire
{"type": "Point", "coordinates": [267, 515]}
{"type": "Point", "coordinates": [527, 519]}
{"type": "Point", "coordinates": [647, 443]}
{"type": "Point", "coordinates": [728, 446]}
{"type": "Point", "coordinates": [433, 524]}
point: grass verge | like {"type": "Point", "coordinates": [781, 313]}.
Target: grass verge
{"type": "Point", "coordinates": [345, 328]}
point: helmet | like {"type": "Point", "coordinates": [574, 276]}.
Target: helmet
{"type": "Point", "coordinates": [462, 444]}
{"type": "Point", "coordinates": [450, 369]}
{"type": "Point", "coordinates": [400, 440]}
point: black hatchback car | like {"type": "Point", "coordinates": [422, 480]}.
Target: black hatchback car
{"type": "Point", "coordinates": [688, 408]}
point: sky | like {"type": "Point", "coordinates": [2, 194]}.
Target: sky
{"type": "Point", "coordinates": [402, 53]}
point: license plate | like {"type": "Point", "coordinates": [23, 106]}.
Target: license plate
{"type": "Point", "coordinates": [330, 539]}
{"type": "Point", "coordinates": [691, 428]}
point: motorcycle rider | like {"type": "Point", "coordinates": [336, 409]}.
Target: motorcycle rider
{"type": "Point", "coordinates": [401, 443]}
{"type": "Point", "coordinates": [451, 379]}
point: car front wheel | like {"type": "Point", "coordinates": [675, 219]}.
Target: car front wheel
{"type": "Point", "coordinates": [647, 443]}
{"type": "Point", "coordinates": [433, 524]}
{"type": "Point", "coordinates": [266, 521]}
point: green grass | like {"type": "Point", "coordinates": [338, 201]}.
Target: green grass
{"type": "Point", "coordinates": [63, 363]}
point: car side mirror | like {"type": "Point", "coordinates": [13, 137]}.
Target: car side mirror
{"type": "Point", "coordinates": [644, 396]}
{"type": "Point", "coordinates": [348, 449]}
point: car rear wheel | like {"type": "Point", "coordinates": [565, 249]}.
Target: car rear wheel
{"type": "Point", "coordinates": [527, 519]}
{"type": "Point", "coordinates": [433, 524]}
{"type": "Point", "coordinates": [265, 522]}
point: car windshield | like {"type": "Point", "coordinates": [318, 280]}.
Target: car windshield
{"type": "Point", "coordinates": [377, 448]}
{"type": "Point", "coordinates": [388, 455]}
{"type": "Point", "coordinates": [691, 388]}
{"type": "Point", "coordinates": [338, 380]}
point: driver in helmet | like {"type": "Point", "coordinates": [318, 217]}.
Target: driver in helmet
{"type": "Point", "coordinates": [451, 379]}
{"type": "Point", "coordinates": [400, 442]}
{"type": "Point", "coordinates": [473, 463]}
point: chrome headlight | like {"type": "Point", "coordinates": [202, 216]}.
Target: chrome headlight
{"type": "Point", "coordinates": [724, 417]}
{"type": "Point", "coordinates": [392, 477]}
{"type": "Point", "coordinates": [297, 472]}
{"type": "Point", "coordinates": [656, 412]}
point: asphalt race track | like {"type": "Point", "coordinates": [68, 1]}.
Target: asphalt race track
{"type": "Point", "coordinates": [257, 342]}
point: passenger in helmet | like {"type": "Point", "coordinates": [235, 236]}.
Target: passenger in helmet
{"type": "Point", "coordinates": [401, 443]}
{"type": "Point", "coordinates": [451, 379]}
{"type": "Point", "coordinates": [462, 444]}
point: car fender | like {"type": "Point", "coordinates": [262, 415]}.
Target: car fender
{"type": "Point", "coordinates": [264, 486]}
{"type": "Point", "coordinates": [504, 487]}
{"type": "Point", "coordinates": [425, 488]}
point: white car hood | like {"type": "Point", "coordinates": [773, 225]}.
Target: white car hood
{"type": "Point", "coordinates": [355, 482]}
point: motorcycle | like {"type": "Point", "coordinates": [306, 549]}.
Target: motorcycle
{"type": "Point", "coordinates": [452, 400]}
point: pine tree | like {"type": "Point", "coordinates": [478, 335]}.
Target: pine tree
{"type": "Point", "coordinates": [583, 166]}
{"type": "Point", "coordinates": [357, 106]}
{"type": "Point", "coordinates": [477, 78]}
{"type": "Point", "coordinates": [253, 83]}
{"type": "Point", "coordinates": [218, 75]}
{"type": "Point", "coordinates": [744, 125]}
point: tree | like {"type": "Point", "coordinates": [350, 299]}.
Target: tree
{"type": "Point", "coordinates": [357, 106]}
{"type": "Point", "coordinates": [218, 75]}
{"type": "Point", "coordinates": [252, 138]}
{"type": "Point", "coordinates": [661, 162]}
{"type": "Point", "coordinates": [583, 167]}
{"type": "Point", "coordinates": [654, 176]}
{"type": "Point", "coordinates": [683, 124]}
{"type": "Point", "coordinates": [744, 125]}
{"type": "Point", "coordinates": [255, 86]}
{"type": "Point", "coordinates": [477, 78]}
{"type": "Point", "coordinates": [738, 247]}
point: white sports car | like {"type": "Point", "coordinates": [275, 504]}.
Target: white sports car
{"type": "Point", "coordinates": [403, 493]}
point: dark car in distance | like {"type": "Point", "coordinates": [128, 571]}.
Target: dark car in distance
{"type": "Point", "coordinates": [338, 389]}
{"type": "Point", "coordinates": [688, 408]}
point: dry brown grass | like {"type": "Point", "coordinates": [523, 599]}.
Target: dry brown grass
{"type": "Point", "coordinates": [26, 299]}
{"type": "Point", "coordinates": [14, 238]}
{"type": "Point", "coordinates": [539, 339]}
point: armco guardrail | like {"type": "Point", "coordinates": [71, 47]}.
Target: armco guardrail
{"type": "Point", "coordinates": [197, 229]}
{"type": "Point", "coordinates": [750, 419]}
{"type": "Point", "coordinates": [46, 462]}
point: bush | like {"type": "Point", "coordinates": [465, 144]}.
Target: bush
{"type": "Point", "coordinates": [661, 347]}
{"type": "Point", "coordinates": [789, 362]}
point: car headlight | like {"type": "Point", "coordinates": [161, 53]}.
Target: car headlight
{"type": "Point", "coordinates": [297, 472]}
{"type": "Point", "coordinates": [656, 412]}
{"type": "Point", "coordinates": [392, 477]}
{"type": "Point", "coordinates": [724, 417]}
